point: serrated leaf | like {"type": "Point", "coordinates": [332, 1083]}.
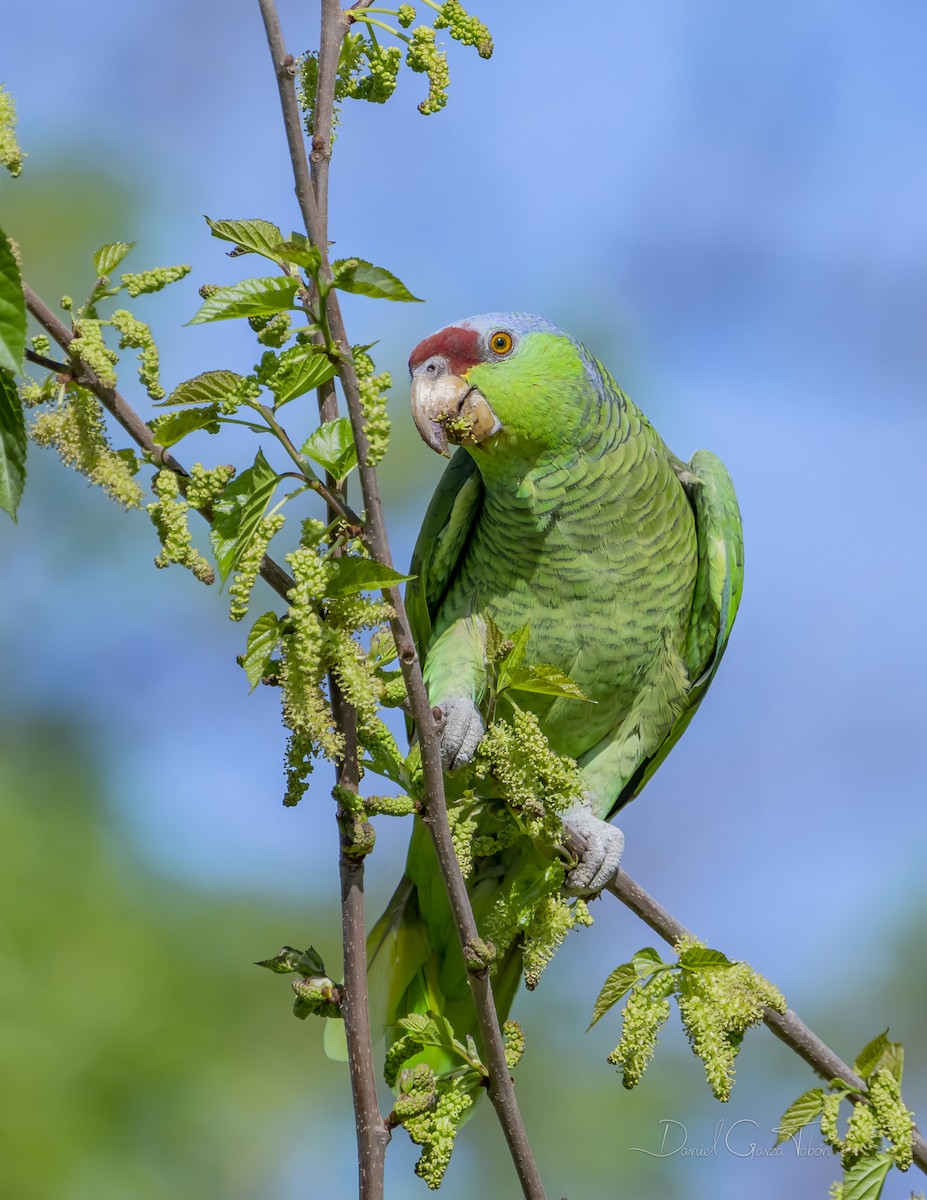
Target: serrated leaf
{"type": "Point", "coordinates": [700, 958]}
{"type": "Point", "coordinates": [297, 249]}
{"type": "Point", "coordinates": [238, 511]}
{"type": "Point", "coordinates": [800, 1113]}
{"type": "Point", "coordinates": [866, 1178]}
{"type": "Point", "coordinates": [361, 575]}
{"type": "Point", "coordinates": [12, 445]}
{"type": "Point", "coordinates": [251, 236]}
{"type": "Point", "coordinates": [870, 1056]}
{"type": "Point", "coordinates": [544, 680]}
{"type": "Point", "coordinates": [301, 369]}
{"type": "Point", "coordinates": [621, 980]}
{"type": "Point", "coordinates": [332, 447]}
{"type": "Point", "coordinates": [211, 387]}
{"type": "Point", "coordinates": [169, 429]}
{"type": "Point", "coordinates": [893, 1060]}
{"type": "Point", "coordinates": [263, 640]}
{"type": "Point", "coordinates": [251, 298]}
{"type": "Point", "coordinates": [12, 310]}
{"type": "Point", "coordinates": [418, 1024]}
{"type": "Point", "coordinates": [108, 258]}
{"type": "Point", "coordinates": [364, 279]}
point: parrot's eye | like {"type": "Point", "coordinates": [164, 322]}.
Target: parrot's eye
{"type": "Point", "coordinates": [501, 342]}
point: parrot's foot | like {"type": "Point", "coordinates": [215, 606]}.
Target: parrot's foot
{"type": "Point", "coordinates": [600, 849]}
{"type": "Point", "coordinates": [462, 733]}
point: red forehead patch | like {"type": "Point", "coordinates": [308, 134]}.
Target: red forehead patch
{"type": "Point", "coordinates": [459, 347]}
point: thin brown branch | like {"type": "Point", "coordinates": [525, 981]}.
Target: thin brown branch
{"type": "Point", "coordinates": [373, 1133]}
{"type": "Point", "coordinates": [787, 1026]}
{"type": "Point", "coordinates": [119, 408]}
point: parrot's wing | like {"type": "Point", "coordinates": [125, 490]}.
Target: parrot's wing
{"type": "Point", "coordinates": [445, 531]}
{"type": "Point", "coordinates": [718, 585]}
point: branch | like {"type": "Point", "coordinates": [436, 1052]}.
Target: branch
{"type": "Point", "coordinates": [117, 406]}
{"type": "Point", "coordinates": [373, 1133]}
{"type": "Point", "coordinates": [500, 1087]}
{"type": "Point", "coordinates": [787, 1026]}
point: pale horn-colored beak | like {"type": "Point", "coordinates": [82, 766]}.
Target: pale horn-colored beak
{"type": "Point", "coordinates": [448, 409]}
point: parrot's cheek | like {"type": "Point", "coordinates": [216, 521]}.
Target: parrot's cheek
{"type": "Point", "coordinates": [448, 409]}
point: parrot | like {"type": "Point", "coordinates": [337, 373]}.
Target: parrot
{"type": "Point", "coordinates": [562, 509]}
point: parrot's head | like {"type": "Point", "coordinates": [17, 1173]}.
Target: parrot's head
{"type": "Point", "coordinates": [498, 382]}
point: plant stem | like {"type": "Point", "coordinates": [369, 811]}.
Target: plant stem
{"type": "Point", "coordinates": [787, 1026]}
{"type": "Point", "coordinates": [119, 408]}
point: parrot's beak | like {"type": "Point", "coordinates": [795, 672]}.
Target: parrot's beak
{"type": "Point", "coordinates": [446, 408]}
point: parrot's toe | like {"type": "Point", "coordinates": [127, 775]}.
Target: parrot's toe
{"type": "Point", "coordinates": [462, 733]}
{"type": "Point", "coordinates": [600, 848]}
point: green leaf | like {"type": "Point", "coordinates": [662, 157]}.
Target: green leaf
{"type": "Point", "coordinates": [263, 640]}
{"type": "Point", "coordinates": [866, 1178]}
{"type": "Point", "coordinates": [364, 279]}
{"type": "Point", "coordinates": [12, 310]}
{"type": "Point", "coordinates": [361, 575]}
{"type": "Point", "coordinates": [618, 983]}
{"type": "Point", "coordinates": [545, 680]}
{"type": "Point", "coordinates": [238, 511]}
{"type": "Point", "coordinates": [251, 298]}
{"type": "Point", "coordinates": [209, 388]}
{"type": "Point", "coordinates": [332, 447]}
{"type": "Point", "coordinates": [289, 961]}
{"type": "Point", "coordinates": [646, 961]}
{"type": "Point", "coordinates": [301, 369]}
{"type": "Point", "coordinates": [12, 445]}
{"type": "Point", "coordinates": [893, 1060]}
{"type": "Point", "coordinates": [800, 1113]}
{"type": "Point", "coordinates": [870, 1057]}
{"type": "Point", "coordinates": [700, 958]}
{"type": "Point", "coordinates": [251, 236]}
{"type": "Point", "coordinates": [108, 257]}
{"type": "Point", "coordinates": [512, 659]}
{"type": "Point", "coordinates": [299, 250]}
{"type": "Point", "coordinates": [169, 429]}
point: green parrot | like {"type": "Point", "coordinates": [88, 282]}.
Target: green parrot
{"type": "Point", "coordinates": [562, 509]}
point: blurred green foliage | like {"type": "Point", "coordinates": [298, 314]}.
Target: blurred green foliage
{"type": "Point", "coordinates": [141, 1053]}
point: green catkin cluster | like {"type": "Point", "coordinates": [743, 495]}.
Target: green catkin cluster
{"type": "Point", "coordinates": [76, 431]}
{"type": "Point", "coordinates": [169, 515]}
{"type": "Point", "coordinates": [424, 57]}
{"type": "Point", "coordinates": [469, 31]}
{"type": "Point", "coordinates": [417, 1093]}
{"type": "Point", "coordinates": [514, 1037]}
{"type": "Point", "coordinates": [645, 1012]}
{"type": "Point", "coordinates": [717, 1007]}
{"type": "Point", "coordinates": [435, 1129]}
{"type": "Point", "coordinates": [894, 1119]}
{"type": "Point", "coordinates": [373, 389]}
{"type": "Point", "coordinates": [271, 331]}
{"type": "Point", "coordinates": [11, 156]}
{"type": "Point", "coordinates": [552, 919]}
{"type": "Point", "coordinates": [863, 1138]}
{"type": "Point", "coordinates": [830, 1110]}
{"type": "Point", "coordinates": [249, 564]}
{"type": "Point", "coordinates": [306, 712]}
{"type": "Point", "coordinates": [537, 784]}
{"type": "Point", "coordinates": [89, 348]}
{"type": "Point", "coordinates": [405, 15]}
{"type": "Point", "coordinates": [206, 484]}
{"type": "Point", "coordinates": [137, 335]}
{"type": "Point", "coordinates": [383, 67]}
{"type": "Point", "coordinates": [41, 343]}
{"type": "Point", "coordinates": [143, 282]}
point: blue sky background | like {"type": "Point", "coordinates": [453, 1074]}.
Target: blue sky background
{"type": "Point", "coordinates": [727, 203]}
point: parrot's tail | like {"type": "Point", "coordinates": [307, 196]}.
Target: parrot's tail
{"type": "Point", "coordinates": [415, 965]}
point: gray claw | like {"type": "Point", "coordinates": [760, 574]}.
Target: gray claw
{"type": "Point", "coordinates": [462, 733]}
{"type": "Point", "coordinates": [601, 853]}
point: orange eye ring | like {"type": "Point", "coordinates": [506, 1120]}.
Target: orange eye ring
{"type": "Point", "coordinates": [501, 342]}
